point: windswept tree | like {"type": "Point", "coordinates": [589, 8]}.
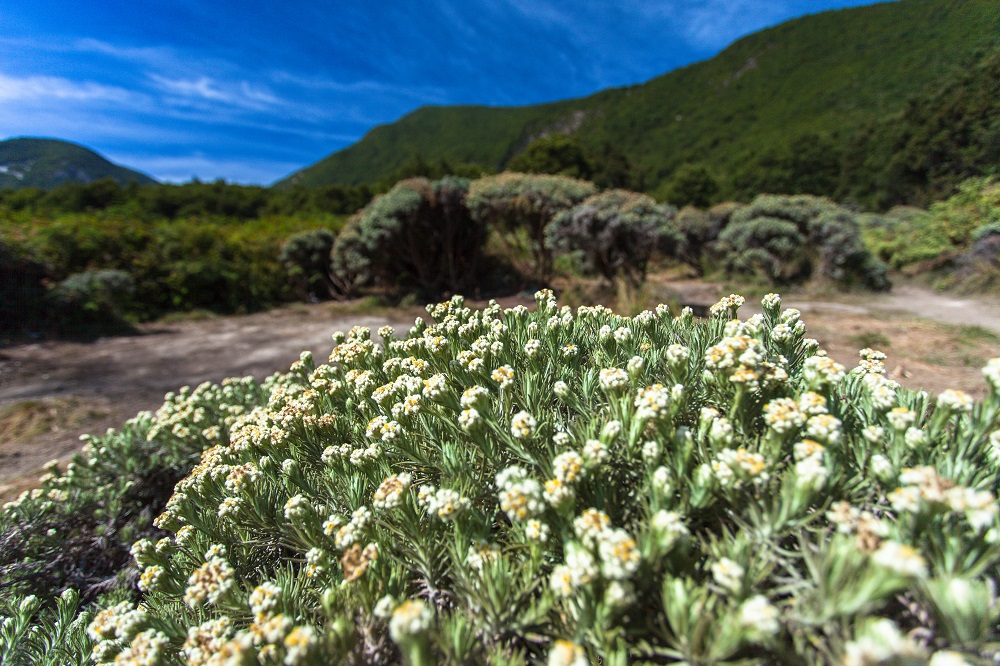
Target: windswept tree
{"type": "Point", "coordinates": [418, 236]}
{"type": "Point", "coordinates": [519, 207]}
{"type": "Point", "coordinates": [617, 232]}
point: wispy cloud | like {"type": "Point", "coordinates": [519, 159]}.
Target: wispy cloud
{"type": "Point", "coordinates": [52, 87]}
{"type": "Point", "coordinates": [424, 93]}
{"type": "Point", "coordinates": [712, 24]}
{"type": "Point", "coordinates": [157, 56]}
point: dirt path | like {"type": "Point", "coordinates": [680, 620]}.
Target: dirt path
{"type": "Point", "coordinates": [54, 391]}
{"type": "Point", "coordinates": [902, 300]}
{"type": "Point", "coordinates": [51, 392]}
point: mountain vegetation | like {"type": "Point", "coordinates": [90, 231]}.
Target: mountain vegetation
{"type": "Point", "coordinates": [792, 109]}
{"type": "Point", "coordinates": [46, 163]}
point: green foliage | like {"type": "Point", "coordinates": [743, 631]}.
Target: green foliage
{"type": "Point", "coordinates": [808, 164]}
{"type": "Point", "coordinates": [956, 240]}
{"type": "Point", "coordinates": [824, 75]}
{"type": "Point", "coordinates": [515, 203]}
{"type": "Point", "coordinates": [23, 304]}
{"type": "Point", "coordinates": [556, 154]}
{"type": "Point", "coordinates": [698, 229]}
{"type": "Point", "coordinates": [560, 503]}
{"type": "Point", "coordinates": [194, 199]}
{"type": "Point", "coordinates": [690, 185]}
{"type": "Point", "coordinates": [939, 139]}
{"type": "Point", "coordinates": [222, 265]}
{"type": "Point", "coordinates": [306, 258]}
{"type": "Point", "coordinates": [616, 232]}
{"type": "Point", "coordinates": [907, 237]}
{"type": "Point", "coordinates": [793, 238]}
{"type": "Point", "coordinates": [418, 237]}
{"type": "Point", "coordinates": [34, 634]}
{"type": "Point", "coordinates": [93, 303]}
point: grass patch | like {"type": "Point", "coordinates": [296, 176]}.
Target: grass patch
{"type": "Point", "coordinates": [191, 315]}
{"type": "Point", "coordinates": [33, 418]}
{"type": "Point", "coordinates": [873, 339]}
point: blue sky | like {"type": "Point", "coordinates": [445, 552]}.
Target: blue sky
{"type": "Point", "coordinates": [251, 91]}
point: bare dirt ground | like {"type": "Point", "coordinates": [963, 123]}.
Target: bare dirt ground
{"type": "Point", "coordinates": [52, 392]}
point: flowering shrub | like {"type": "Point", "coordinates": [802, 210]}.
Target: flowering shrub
{"type": "Point", "coordinates": [515, 486]}
{"type": "Point", "coordinates": [616, 232]}
{"type": "Point", "coordinates": [77, 528]}
{"type": "Point", "coordinates": [520, 206]}
{"type": "Point", "coordinates": [418, 235]}
{"type": "Point", "coordinates": [792, 238]}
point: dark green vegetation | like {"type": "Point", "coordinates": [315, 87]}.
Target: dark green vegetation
{"type": "Point", "coordinates": [90, 259]}
{"type": "Point", "coordinates": [956, 242]}
{"type": "Point", "coordinates": [809, 106]}
{"type": "Point", "coordinates": [45, 163]}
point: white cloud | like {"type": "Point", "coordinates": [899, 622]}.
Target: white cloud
{"type": "Point", "coordinates": [52, 87]}
{"type": "Point", "coordinates": [426, 94]}
{"type": "Point", "coordinates": [713, 24]}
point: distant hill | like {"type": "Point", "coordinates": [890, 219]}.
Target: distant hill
{"type": "Point", "coordinates": [821, 76]}
{"type": "Point", "coordinates": [46, 163]}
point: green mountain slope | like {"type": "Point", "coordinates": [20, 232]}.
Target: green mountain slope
{"type": "Point", "coordinates": [825, 74]}
{"type": "Point", "coordinates": [46, 163]}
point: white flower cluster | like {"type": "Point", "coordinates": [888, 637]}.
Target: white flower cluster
{"type": "Point", "coordinates": [443, 503]}
{"type": "Point", "coordinates": [520, 495]}
{"type": "Point", "coordinates": [209, 583]}
{"type": "Point", "coordinates": [732, 467]}
{"type": "Point", "coordinates": [923, 489]}
{"type": "Point", "coordinates": [390, 494]}
{"type": "Point", "coordinates": [613, 379]}
{"type": "Point", "coordinates": [653, 403]}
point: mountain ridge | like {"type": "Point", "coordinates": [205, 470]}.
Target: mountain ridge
{"type": "Point", "coordinates": [47, 162]}
{"type": "Point", "coordinates": [825, 73]}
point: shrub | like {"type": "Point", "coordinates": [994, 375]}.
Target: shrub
{"type": "Point", "coordinates": [92, 302]}
{"type": "Point", "coordinates": [76, 531]}
{"type": "Point", "coordinates": [517, 203]}
{"type": "Point", "coordinates": [517, 486]}
{"type": "Point", "coordinates": [909, 238]}
{"type": "Point", "coordinates": [698, 229]}
{"type": "Point", "coordinates": [616, 231]}
{"type": "Point", "coordinates": [306, 258]}
{"type": "Point", "coordinates": [416, 237]}
{"type": "Point", "coordinates": [793, 238]}
{"type": "Point", "coordinates": [556, 154]}
{"type": "Point", "coordinates": [691, 185]}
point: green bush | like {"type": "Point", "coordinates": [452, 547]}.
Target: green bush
{"type": "Point", "coordinates": [794, 238]}
{"type": "Point", "coordinates": [306, 258]}
{"type": "Point", "coordinates": [222, 265]}
{"type": "Point", "coordinates": [557, 155]}
{"type": "Point", "coordinates": [699, 229]}
{"type": "Point", "coordinates": [690, 185]}
{"type": "Point", "coordinates": [616, 232]}
{"type": "Point", "coordinates": [416, 237]}
{"type": "Point", "coordinates": [518, 205]}
{"type": "Point", "coordinates": [92, 302]}
{"type": "Point", "coordinates": [515, 486]}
